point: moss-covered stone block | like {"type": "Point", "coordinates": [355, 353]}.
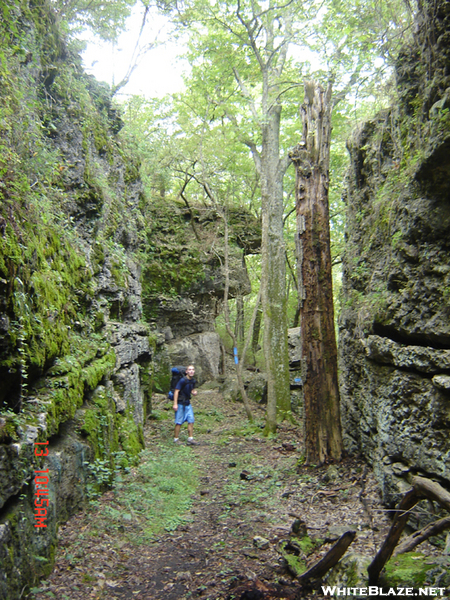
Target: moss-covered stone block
{"type": "Point", "coordinates": [161, 370]}
{"type": "Point", "coordinates": [417, 570]}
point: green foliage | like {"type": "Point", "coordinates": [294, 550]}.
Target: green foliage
{"type": "Point", "coordinates": [158, 497]}
{"type": "Point", "coordinates": [208, 419]}
{"type": "Point", "coordinates": [99, 477]}
{"type": "Point", "coordinates": [104, 18]}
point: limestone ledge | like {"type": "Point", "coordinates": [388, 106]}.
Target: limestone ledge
{"type": "Point", "coordinates": [422, 359]}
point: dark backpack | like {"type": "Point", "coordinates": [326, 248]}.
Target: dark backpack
{"type": "Point", "coordinates": [177, 374]}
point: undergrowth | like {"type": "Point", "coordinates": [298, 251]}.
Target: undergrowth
{"type": "Point", "coordinates": [156, 497]}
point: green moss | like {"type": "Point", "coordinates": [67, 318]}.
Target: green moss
{"type": "Point", "coordinates": [110, 433]}
{"type": "Point", "coordinates": [296, 565]}
{"type": "Point", "coordinates": [307, 545]}
{"type": "Point", "coordinates": [99, 425]}
{"type": "Point", "coordinates": [352, 574]}
{"type": "Point", "coordinates": [161, 375]}
{"type": "Point", "coordinates": [94, 373]}
{"type": "Point", "coordinates": [146, 378]}
{"type": "Point", "coordinates": [294, 553]}
{"type": "Point", "coordinates": [131, 436]}
{"type": "Point", "coordinates": [41, 300]}
{"type": "Point", "coordinates": [410, 568]}
{"type": "Point", "coordinates": [47, 566]}
{"type": "Point", "coordinates": [97, 257]}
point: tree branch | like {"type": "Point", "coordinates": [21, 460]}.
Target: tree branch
{"type": "Point", "coordinates": [246, 94]}
{"type": "Point", "coordinates": [421, 536]}
{"type": "Point", "coordinates": [186, 181]}
{"type": "Point", "coordinates": [283, 164]}
{"type": "Point", "coordinates": [136, 54]}
{"type": "Point", "coordinates": [250, 34]}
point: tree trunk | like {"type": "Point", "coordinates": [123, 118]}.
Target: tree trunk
{"type": "Point", "coordinates": [255, 333]}
{"type": "Point", "coordinates": [320, 388]}
{"type": "Point", "coordinates": [273, 276]}
{"type": "Point", "coordinates": [239, 365]}
{"type": "Point", "coordinates": [239, 324]}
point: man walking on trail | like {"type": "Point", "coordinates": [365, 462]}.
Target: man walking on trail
{"type": "Point", "coordinates": [182, 405]}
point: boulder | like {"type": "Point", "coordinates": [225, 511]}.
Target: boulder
{"type": "Point", "coordinates": [351, 571]}
{"type": "Point", "coordinates": [203, 350]}
{"type": "Point", "coordinates": [257, 387]}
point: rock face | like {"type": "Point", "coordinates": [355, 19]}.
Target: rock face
{"type": "Point", "coordinates": [75, 364]}
{"type": "Point", "coordinates": [395, 321]}
{"type": "Point", "coordinates": [101, 290]}
{"type": "Point", "coordinates": [184, 278]}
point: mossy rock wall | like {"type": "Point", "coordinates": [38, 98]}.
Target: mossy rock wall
{"type": "Point", "coordinates": [82, 250]}
{"type": "Point", "coordinates": [395, 319]}
{"type": "Point", "coordinates": [75, 358]}
{"type": "Point", "coordinates": [183, 264]}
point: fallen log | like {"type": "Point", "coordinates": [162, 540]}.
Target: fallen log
{"type": "Point", "coordinates": [409, 500]}
{"type": "Point", "coordinates": [427, 488]}
{"type": "Point", "coordinates": [421, 488]}
{"type": "Point", "coordinates": [421, 536]}
{"type": "Point", "coordinates": [330, 559]}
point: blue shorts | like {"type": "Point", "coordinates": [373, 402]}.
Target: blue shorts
{"type": "Point", "coordinates": [183, 414]}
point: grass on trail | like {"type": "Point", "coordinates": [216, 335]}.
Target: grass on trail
{"type": "Point", "coordinates": [215, 521]}
{"type": "Point", "coordinates": [156, 496]}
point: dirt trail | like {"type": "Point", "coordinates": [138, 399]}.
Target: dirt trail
{"type": "Point", "coordinates": [250, 488]}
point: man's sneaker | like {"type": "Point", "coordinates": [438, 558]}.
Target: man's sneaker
{"type": "Point", "coordinates": [178, 442]}
{"type": "Point", "coordinates": [192, 442]}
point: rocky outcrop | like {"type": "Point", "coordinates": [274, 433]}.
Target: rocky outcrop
{"type": "Point", "coordinates": [75, 361]}
{"type": "Point", "coordinates": [395, 320]}
{"type": "Point", "coordinates": [184, 279]}
{"type": "Point", "coordinates": [183, 269]}
{"type": "Point", "coordinates": [101, 290]}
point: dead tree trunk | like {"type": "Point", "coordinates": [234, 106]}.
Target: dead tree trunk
{"type": "Point", "coordinates": [321, 391]}
{"type": "Point", "coordinates": [421, 536]}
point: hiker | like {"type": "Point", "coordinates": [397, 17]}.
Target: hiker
{"type": "Point", "coordinates": [182, 405]}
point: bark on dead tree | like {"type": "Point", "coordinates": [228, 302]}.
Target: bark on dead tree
{"type": "Point", "coordinates": [321, 392]}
